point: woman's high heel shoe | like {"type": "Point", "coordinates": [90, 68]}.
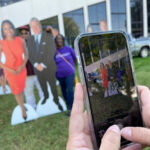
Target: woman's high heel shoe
{"type": "Point", "coordinates": [25, 117]}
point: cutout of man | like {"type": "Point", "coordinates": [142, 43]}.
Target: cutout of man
{"type": "Point", "coordinates": [41, 54]}
{"type": "Point", "coordinates": [103, 25]}
{"type": "Point", "coordinates": [31, 79]}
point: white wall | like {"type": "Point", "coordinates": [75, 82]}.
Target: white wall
{"type": "Point", "coordinates": [21, 12]}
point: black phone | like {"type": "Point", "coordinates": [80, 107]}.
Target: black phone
{"type": "Point", "coordinates": [106, 71]}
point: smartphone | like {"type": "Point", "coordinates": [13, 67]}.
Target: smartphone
{"type": "Point", "coordinates": [107, 74]}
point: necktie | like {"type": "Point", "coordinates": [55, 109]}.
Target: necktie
{"type": "Point", "coordinates": [37, 43]}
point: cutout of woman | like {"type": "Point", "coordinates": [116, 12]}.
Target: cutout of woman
{"type": "Point", "coordinates": [104, 78]}
{"type": "Point", "coordinates": [16, 54]}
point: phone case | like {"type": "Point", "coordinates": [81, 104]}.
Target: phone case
{"type": "Point", "coordinates": [82, 77]}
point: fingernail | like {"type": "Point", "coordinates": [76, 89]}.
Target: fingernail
{"type": "Point", "coordinates": [126, 132]}
{"type": "Point", "coordinates": [115, 129]}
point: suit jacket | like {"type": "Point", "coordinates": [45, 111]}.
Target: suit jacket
{"type": "Point", "coordinates": [45, 53]}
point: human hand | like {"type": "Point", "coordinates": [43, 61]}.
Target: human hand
{"type": "Point", "coordinates": [20, 69]}
{"type": "Point", "coordinates": [138, 134]}
{"type": "Point", "coordinates": [40, 67]}
{"type": "Point", "coordinates": [144, 93]}
{"type": "Point", "coordinates": [79, 133]}
{"type": "Point", "coordinates": [12, 71]}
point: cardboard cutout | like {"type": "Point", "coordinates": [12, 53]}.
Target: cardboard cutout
{"type": "Point", "coordinates": [17, 115]}
{"type": "Point", "coordinates": [8, 91]}
{"type": "Point", "coordinates": [50, 103]}
{"type": "Point", "coordinates": [41, 50]}
{"type": "Point", "coordinates": [49, 107]}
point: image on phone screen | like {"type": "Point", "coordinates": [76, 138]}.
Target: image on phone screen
{"type": "Point", "coordinates": [110, 83]}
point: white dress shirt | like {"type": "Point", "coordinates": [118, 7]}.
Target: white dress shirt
{"type": "Point", "coordinates": [39, 40]}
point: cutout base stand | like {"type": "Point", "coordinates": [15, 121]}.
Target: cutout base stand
{"type": "Point", "coordinates": [49, 107]}
{"type": "Point", "coordinates": [17, 115]}
{"type": "Point", "coordinates": [8, 91]}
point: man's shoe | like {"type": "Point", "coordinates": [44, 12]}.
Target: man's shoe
{"type": "Point", "coordinates": [44, 101]}
{"type": "Point", "coordinates": [60, 107]}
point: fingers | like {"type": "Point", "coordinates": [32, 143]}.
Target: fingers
{"type": "Point", "coordinates": [86, 124]}
{"type": "Point", "coordinates": [76, 119]}
{"type": "Point", "coordinates": [145, 99]}
{"type": "Point", "coordinates": [137, 134]}
{"type": "Point", "coordinates": [134, 147]}
{"type": "Point", "coordinates": [141, 88]}
{"type": "Point", "coordinates": [144, 94]}
{"type": "Point", "coordinates": [111, 139]}
{"type": "Point", "coordinates": [78, 106]}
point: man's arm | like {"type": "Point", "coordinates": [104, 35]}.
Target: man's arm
{"type": "Point", "coordinates": [31, 53]}
{"type": "Point", "coordinates": [49, 52]}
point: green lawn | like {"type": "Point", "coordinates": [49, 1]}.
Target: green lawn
{"type": "Point", "coordinates": [47, 133]}
{"type": "Point", "coordinates": [142, 70]}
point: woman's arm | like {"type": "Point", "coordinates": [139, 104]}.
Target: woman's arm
{"type": "Point", "coordinates": [25, 54]}
{"type": "Point", "coordinates": [73, 55]}
{"type": "Point", "coordinates": [1, 64]}
{"type": "Point", "coordinates": [25, 58]}
{"type": "Point", "coordinates": [4, 66]}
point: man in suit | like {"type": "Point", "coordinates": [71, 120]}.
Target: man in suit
{"type": "Point", "coordinates": [41, 54]}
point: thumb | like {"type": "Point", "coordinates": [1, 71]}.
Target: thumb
{"type": "Point", "coordinates": [137, 135]}
{"type": "Point", "coordinates": [111, 139]}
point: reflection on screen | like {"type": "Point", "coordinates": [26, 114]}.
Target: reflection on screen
{"type": "Point", "coordinates": [110, 84]}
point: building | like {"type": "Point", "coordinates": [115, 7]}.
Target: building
{"type": "Point", "coordinates": [71, 17]}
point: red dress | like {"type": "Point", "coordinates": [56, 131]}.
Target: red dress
{"type": "Point", "coordinates": [13, 51]}
{"type": "Point", "coordinates": [104, 77]}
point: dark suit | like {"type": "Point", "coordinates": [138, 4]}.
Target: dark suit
{"type": "Point", "coordinates": [45, 55]}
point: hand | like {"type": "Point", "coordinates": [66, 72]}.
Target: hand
{"type": "Point", "coordinates": [79, 133]}
{"type": "Point", "coordinates": [12, 71]}
{"type": "Point", "coordinates": [20, 69]}
{"type": "Point", "coordinates": [138, 134]}
{"type": "Point", "coordinates": [40, 67]}
{"type": "Point", "coordinates": [144, 93]}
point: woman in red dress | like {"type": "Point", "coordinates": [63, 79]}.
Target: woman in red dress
{"type": "Point", "coordinates": [104, 77]}
{"type": "Point", "coordinates": [15, 51]}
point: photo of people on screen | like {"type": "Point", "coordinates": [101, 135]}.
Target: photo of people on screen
{"type": "Point", "coordinates": [110, 84]}
{"type": "Point", "coordinates": [112, 78]}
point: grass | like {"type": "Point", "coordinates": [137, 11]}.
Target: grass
{"type": "Point", "coordinates": [142, 71]}
{"type": "Point", "coordinates": [47, 133]}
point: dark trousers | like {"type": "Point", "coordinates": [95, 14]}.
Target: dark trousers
{"type": "Point", "coordinates": [67, 84]}
{"type": "Point", "coordinates": [45, 77]}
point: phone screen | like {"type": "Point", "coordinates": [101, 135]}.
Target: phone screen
{"type": "Point", "coordinates": [110, 83]}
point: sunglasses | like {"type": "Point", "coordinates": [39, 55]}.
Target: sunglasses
{"type": "Point", "coordinates": [24, 33]}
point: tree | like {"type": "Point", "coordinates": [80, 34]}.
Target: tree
{"type": "Point", "coordinates": [71, 30]}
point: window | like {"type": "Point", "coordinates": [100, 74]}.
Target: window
{"type": "Point", "coordinates": [8, 2]}
{"type": "Point", "coordinates": [137, 17]}
{"type": "Point", "coordinates": [74, 24]}
{"type": "Point", "coordinates": [97, 14]}
{"type": "Point", "coordinates": [118, 14]}
{"type": "Point", "coordinates": [53, 22]}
